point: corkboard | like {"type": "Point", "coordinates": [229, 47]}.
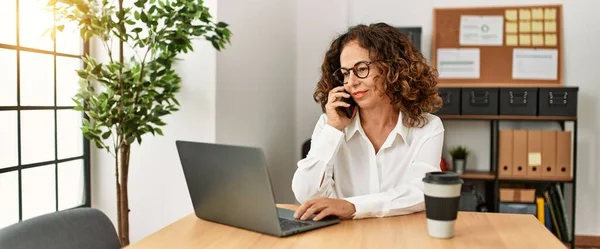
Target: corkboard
{"type": "Point", "coordinates": [495, 61]}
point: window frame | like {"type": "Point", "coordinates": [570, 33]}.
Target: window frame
{"type": "Point", "coordinates": [55, 108]}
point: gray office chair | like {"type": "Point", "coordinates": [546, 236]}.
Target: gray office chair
{"type": "Point", "coordinates": [68, 229]}
{"type": "Point", "coordinates": [305, 148]}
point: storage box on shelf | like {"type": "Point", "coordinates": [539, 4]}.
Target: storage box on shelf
{"type": "Point", "coordinates": [518, 101]}
{"type": "Point", "coordinates": [517, 195]}
{"type": "Point", "coordinates": [479, 101]}
{"type": "Point", "coordinates": [451, 99]}
{"type": "Point", "coordinates": [558, 101]}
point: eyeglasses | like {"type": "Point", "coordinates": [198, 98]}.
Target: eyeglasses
{"type": "Point", "coordinates": [360, 69]}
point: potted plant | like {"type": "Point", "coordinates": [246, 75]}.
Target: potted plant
{"type": "Point", "coordinates": [125, 99]}
{"type": "Point", "coordinates": [459, 158]}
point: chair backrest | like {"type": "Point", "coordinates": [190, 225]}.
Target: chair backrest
{"type": "Point", "coordinates": [305, 148]}
{"type": "Point", "coordinates": [68, 229]}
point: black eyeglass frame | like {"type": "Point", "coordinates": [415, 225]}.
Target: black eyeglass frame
{"type": "Point", "coordinates": [353, 70]}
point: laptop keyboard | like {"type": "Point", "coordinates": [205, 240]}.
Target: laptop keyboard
{"type": "Point", "coordinates": [291, 224]}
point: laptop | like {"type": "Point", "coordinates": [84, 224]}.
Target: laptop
{"type": "Point", "coordinates": [230, 185]}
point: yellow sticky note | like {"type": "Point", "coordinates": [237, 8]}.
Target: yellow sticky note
{"type": "Point", "coordinates": [534, 158]}
{"type": "Point", "coordinates": [550, 26]}
{"type": "Point", "coordinates": [524, 40]}
{"type": "Point", "coordinates": [537, 40]}
{"type": "Point", "coordinates": [511, 27]}
{"type": "Point", "coordinates": [524, 26]}
{"type": "Point", "coordinates": [512, 40]}
{"type": "Point", "coordinates": [537, 14]}
{"type": "Point", "coordinates": [550, 39]}
{"type": "Point", "coordinates": [510, 15]}
{"type": "Point", "coordinates": [537, 27]}
{"type": "Point", "coordinates": [550, 14]}
{"type": "Point", "coordinates": [524, 14]}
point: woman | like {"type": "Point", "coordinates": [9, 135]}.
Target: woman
{"type": "Point", "coordinates": [376, 139]}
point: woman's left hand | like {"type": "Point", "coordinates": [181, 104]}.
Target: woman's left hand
{"type": "Point", "coordinates": [324, 207]}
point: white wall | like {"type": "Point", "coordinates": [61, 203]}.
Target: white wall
{"type": "Point", "coordinates": [317, 23]}
{"type": "Point", "coordinates": [158, 193]}
{"type": "Point", "coordinates": [255, 90]}
{"type": "Point", "coordinates": [581, 56]}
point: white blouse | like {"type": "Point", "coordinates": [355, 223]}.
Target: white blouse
{"type": "Point", "coordinates": [383, 184]}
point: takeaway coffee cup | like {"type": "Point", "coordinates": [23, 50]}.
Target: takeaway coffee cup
{"type": "Point", "coordinates": [442, 196]}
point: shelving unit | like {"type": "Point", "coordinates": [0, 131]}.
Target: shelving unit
{"type": "Point", "coordinates": [475, 175]}
{"type": "Point", "coordinates": [491, 178]}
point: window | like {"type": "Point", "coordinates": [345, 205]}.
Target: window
{"type": "Point", "coordinates": [44, 158]}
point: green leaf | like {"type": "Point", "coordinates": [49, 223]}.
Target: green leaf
{"type": "Point", "coordinates": [140, 3]}
{"type": "Point", "coordinates": [130, 140]}
{"type": "Point", "coordinates": [136, 30]}
{"type": "Point", "coordinates": [143, 17]}
{"type": "Point", "coordinates": [106, 135]}
{"type": "Point", "coordinates": [98, 144]}
{"type": "Point", "coordinates": [162, 61]}
{"type": "Point", "coordinates": [222, 25]}
{"type": "Point", "coordinates": [86, 123]}
{"type": "Point", "coordinates": [97, 69]}
{"type": "Point", "coordinates": [122, 31]}
{"type": "Point", "coordinates": [82, 73]}
{"type": "Point", "coordinates": [60, 27]}
{"type": "Point", "coordinates": [136, 15]}
{"type": "Point", "coordinates": [168, 8]}
{"type": "Point", "coordinates": [158, 131]}
{"type": "Point", "coordinates": [216, 45]}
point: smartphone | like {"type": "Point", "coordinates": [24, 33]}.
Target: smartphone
{"type": "Point", "coordinates": [348, 111]}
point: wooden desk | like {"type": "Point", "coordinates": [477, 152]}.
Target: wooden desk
{"type": "Point", "coordinates": [473, 230]}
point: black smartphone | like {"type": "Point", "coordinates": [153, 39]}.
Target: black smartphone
{"type": "Point", "coordinates": [348, 110]}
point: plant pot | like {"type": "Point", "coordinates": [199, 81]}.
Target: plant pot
{"type": "Point", "coordinates": [459, 165]}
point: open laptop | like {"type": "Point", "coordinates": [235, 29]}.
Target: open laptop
{"type": "Point", "coordinates": [230, 185]}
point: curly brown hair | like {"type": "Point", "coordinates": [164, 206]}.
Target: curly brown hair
{"type": "Point", "coordinates": [409, 81]}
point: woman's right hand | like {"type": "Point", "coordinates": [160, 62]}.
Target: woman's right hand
{"type": "Point", "coordinates": [335, 117]}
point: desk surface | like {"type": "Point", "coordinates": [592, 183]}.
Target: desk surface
{"type": "Point", "coordinates": [473, 230]}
